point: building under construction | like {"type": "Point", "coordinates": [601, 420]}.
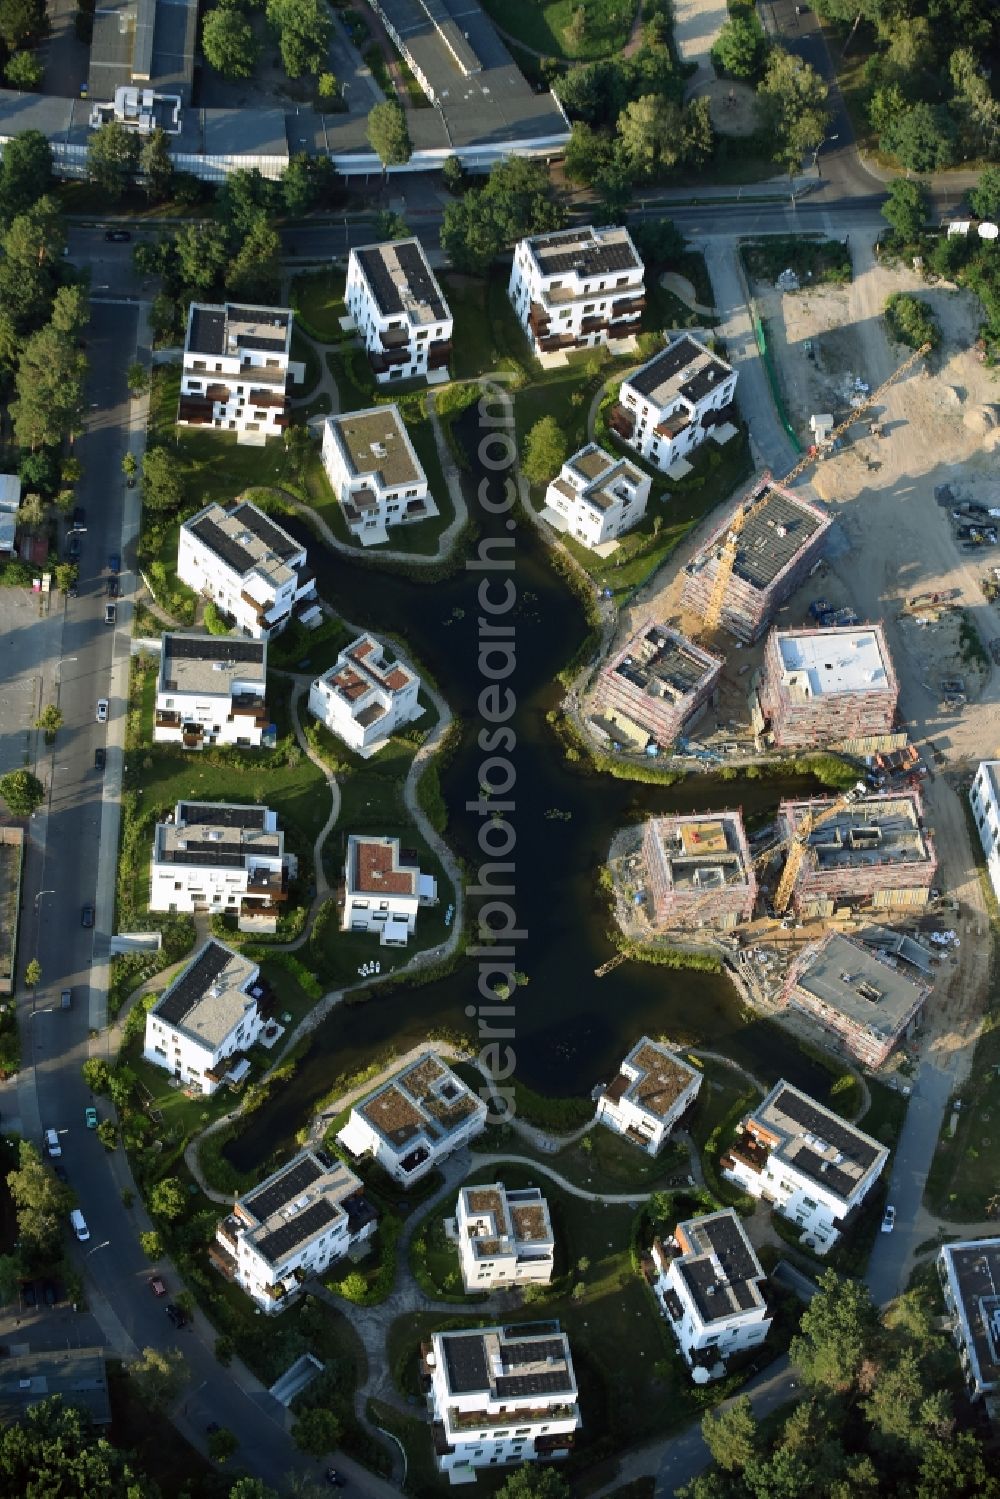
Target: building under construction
{"type": "Point", "coordinates": [777, 546]}
{"type": "Point", "coordinates": [825, 687]}
{"type": "Point", "coordinates": [698, 871]}
{"type": "Point", "coordinates": [657, 686]}
{"type": "Point", "coordinates": [874, 851]}
{"type": "Point", "coordinates": [869, 1003]}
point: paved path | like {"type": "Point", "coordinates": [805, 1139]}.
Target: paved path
{"type": "Point", "coordinates": [325, 386]}
{"type": "Point", "coordinates": [682, 288]}
{"type": "Point", "coordinates": [630, 1199]}
{"type": "Point", "coordinates": [697, 23]}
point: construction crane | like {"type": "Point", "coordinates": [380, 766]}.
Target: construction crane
{"type": "Point", "coordinates": [757, 497]}
{"type": "Point", "coordinates": [798, 843]}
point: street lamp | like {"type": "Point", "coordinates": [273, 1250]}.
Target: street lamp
{"type": "Point", "coordinates": [96, 1248]}
{"type": "Point", "coordinates": [825, 142]}
{"type": "Point", "coordinates": [40, 894]}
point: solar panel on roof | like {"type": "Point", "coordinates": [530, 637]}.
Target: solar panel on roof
{"type": "Point", "coordinates": [420, 282]}
{"type": "Point", "coordinates": [827, 1128]}
{"type": "Point", "coordinates": [227, 547]}
{"type": "Point", "coordinates": [213, 648]}
{"type": "Point", "coordinates": [677, 356]}
{"type": "Point", "coordinates": [305, 1225]}
{"type": "Point", "coordinates": [465, 1361]}
{"type": "Point", "coordinates": [273, 537]}
{"type": "Point", "coordinates": [594, 257]}
{"type": "Point", "coordinates": [513, 1354]}
{"type": "Point", "coordinates": [211, 815]}
{"type": "Point", "coordinates": [273, 1195]}
{"type": "Point", "coordinates": [182, 996]}
{"type": "Point", "coordinates": [544, 1382]}
{"type": "Point", "coordinates": [208, 331]}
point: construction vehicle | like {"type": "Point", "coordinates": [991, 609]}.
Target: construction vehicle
{"type": "Point", "coordinates": [798, 845]}
{"type": "Point", "coordinates": [757, 497]}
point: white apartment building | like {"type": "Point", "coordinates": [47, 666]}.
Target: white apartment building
{"type": "Point", "coordinates": [500, 1395]}
{"type": "Point", "coordinates": [970, 1280]}
{"type": "Point", "coordinates": [708, 1284]}
{"type": "Point", "coordinates": [595, 498]}
{"type": "Point", "coordinates": [249, 567]}
{"type": "Point", "coordinates": [237, 370]}
{"type": "Point", "coordinates": [212, 1012]}
{"type": "Point", "coordinates": [815, 1168]}
{"type": "Point", "coordinates": [577, 288]}
{"type": "Point", "coordinates": [10, 503]}
{"type": "Point", "coordinates": [666, 409]}
{"type": "Point", "coordinates": [298, 1222]}
{"type": "Point", "coordinates": [649, 1095]}
{"type": "Point", "coordinates": [375, 473]}
{"type": "Point", "coordinates": [210, 690]}
{"type": "Point", "coordinates": [414, 1120]}
{"type": "Point", "coordinates": [382, 893]}
{"type": "Point", "coordinates": [222, 858]}
{"type": "Point", "coordinates": [365, 696]}
{"type": "Point", "coordinates": [504, 1237]}
{"type": "Point", "coordinates": [398, 307]}
{"type": "Point", "coordinates": [984, 794]}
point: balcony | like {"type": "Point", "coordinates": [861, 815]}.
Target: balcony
{"type": "Point", "coordinates": [266, 399]}
{"type": "Point", "coordinates": [250, 373]}
{"type": "Point", "coordinates": [622, 422]}
{"type": "Point", "coordinates": [394, 338]}
{"type": "Point", "coordinates": [196, 411]}
{"type": "Point", "coordinates": [222, 1261]}
{"type": "Point", "coordinates": [630, 307]}
{"type": "Point", "coordinates": [192, 735]}
{"type": "Point", "coordinates": [674, 424]}
{"type": "Point", "coordinates": [165, 718]}
{"type": "Point", "coordinates": [457, 1420]}
{"type": "Point", "coordinates": [538, 320]}
{"type": "Point", "coordinates": [271, 883]}
{"type": "Point", "coordinates": [382, 363]}
{"type": "Point", "coordinates": [227, 1232]}
{"type": "Point", "coordinates": [439, 354]}
{"type": "Point", "coordinates": [218, 392]}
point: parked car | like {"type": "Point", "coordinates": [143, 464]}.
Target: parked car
{"type": "Point", "coordinates": [79, 1225]}
{"type": "Point", "coordinates": [110, 614]}
{"type": "Point", "coordinates": [112, 588]}
{"type": "Point", "coordinates": [66, 999]}
{"type": "Point", "coordinates": [49, 1293]}
{"type": "Point", "coordinates": [100, 757]}
{"type": "Point", "coordinates": [114, 563]}
{"type": "Point", "coordinates": [74, 590]}
{"type": "Point", "coordinates": [52, 1145]}
{"type": "Point", "coordinates": [117, 236]}
{"type": "Point", "coordinates": [102, 710]}
{"type": "Point", "coordinates": [889, 1219]}
{"type": "Point", "coordinates": [28, 1294]}
{"type": "Point", "coordinates": [73, 546]}
{"type": "Point", "coordinates": [157, 1286]}
{"type": "Point", "coordinates": [87, 916]}
{"type": "Point", "coordinates": [90, 1116]}
{"type": "Point", "coordinates": [176, 1314]}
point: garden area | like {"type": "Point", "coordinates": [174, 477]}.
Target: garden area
{"type": "Point", "coordinates": [573, 30]}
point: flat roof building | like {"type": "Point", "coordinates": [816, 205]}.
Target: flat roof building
{"type": "Point", "coordinates": [708, 1285]}
{"type": "Point", "coordinates": [384, 889]}
{"type": "Point", "coordinates": [819, 688]}
{"type": "Point", "coordinates": [873, 851]}
{"type": "Point", "coordinates": [210, 1015]}
{"type": "Point", "coordinates": [865, 1001]}
{"type": "Point", "coordinates": [667, 408]}
{"type": "Point", "coordinates": [595, 497]}
{"type": "Point", "coordinates": [778, 545]}
{"type": "Point", "coordinates": [698, 870]}
{"type": "Point", "coordinates": [653, 1089]}
{"type": "Point", "coordinates": [224, 858]}
{"type": "Point", "coordinates": [577, 288]}
{"type": "Point", "coordinates": [984, 798]}
{"type": "Point", "coordinates": [366, 695]}
{"type": "Point", "coordinates": [77, 1375]}
{"type": "Point", "coordinates": [147, 42]}
{"type": "Point", "coordinates": [210, 690]}
{"type": "Point", "coordinates": [970, 1280]}
{"type": "Point", "coordinates": [250, 568]}
{"type": "Point", "coordinates": [375, 473]}
{"type": "Point", "coordinates": [504, 1237]}
{"type": "Point", "coordinates": [411, 1122]}
{"type": "Point", "coordinates": [400, 311]}
{"type": "Point", "coordinates": [657, 685]}
{"type": "Point", "coordinates": [237, 369]}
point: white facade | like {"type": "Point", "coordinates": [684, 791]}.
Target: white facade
{"type": "Point", "coordinates": [708, 1285]}
{"type": "Point", "coordinates": [381, 894]}
{"type": "Point", "coordinates": [375, 473]}
{"type": "Point", "coordinates": [664, 409]}
{"type": "Point", "coordinates": [297, 1223]}
{"type": "Point", "coordinates": [416, 1119]}
{"type": "Point", "coordinates": [577, 288]}
{"type": "Point", "coordinates": [10, 502]}
{"type": "Point", "coordinates": [249, 567]}
{"type": "Point", "coordinates": [649, 1095]}
{"type": "Point", "coordinates": [504, 1237]}
{"type": "Point", "coordinates": [500, 1396]}
{"type": "Point", "coordinates": [222, 858]}
{"type": "Point", "coordinates": [365, 696]}
{"type": "Point", "coordinates": [236, 369]}
{"type": "Point", "coordinates": [209, 1015]}
{"type": "Point", "coordinates": [210, 690]}
{"type": "Point", "coordinates": [399, 309]}
{"type": "Point", "coordinates": [815, 1168]}
{"type": "Point", "coordinates": [984, 794]}
{"type": "Point", "coordinates": [596, 497]}
{"type": "Point", "coordinates": [969, 1273]}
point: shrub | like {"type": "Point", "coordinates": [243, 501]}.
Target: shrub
{"type": "Point", "coordinates": [911, 321]}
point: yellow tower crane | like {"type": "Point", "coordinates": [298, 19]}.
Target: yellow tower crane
{"type": "Point", "coordinates": [798, 844]}
{"type": "Point", "coordinates": [757, 497]}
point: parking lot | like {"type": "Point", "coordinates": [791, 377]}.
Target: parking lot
{"type": "Point", "coordinates": [30, 642]}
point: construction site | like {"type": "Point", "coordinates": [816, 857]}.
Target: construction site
{"type": "Point", "coordinates": [825, 686]}
{"type": "Point", "coordinates": [655, 689]}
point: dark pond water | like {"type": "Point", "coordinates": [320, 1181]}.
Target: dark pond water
{"type": "Point", "coordinates": [572, 1028]}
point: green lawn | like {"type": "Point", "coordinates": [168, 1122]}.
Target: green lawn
{"type": "Point", "coordinates": [318, 299]}
{"type": "Point", "coordinates": [552, 29]}
{"type": "Point", "coordinates": [963, 1177]}
{"type": "Point", "coordinates": [304, 352]}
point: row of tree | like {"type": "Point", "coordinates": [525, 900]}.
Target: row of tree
{"type": "Point", "coordinates": [23, 24]}
{"type": "Point", "coordinates": [303, 29]}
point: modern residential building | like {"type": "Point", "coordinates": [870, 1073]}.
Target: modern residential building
{"type": "Point", "coordinates": [210, 1015]}
{"type": "Point", "coordinates": [500, 1395]}
{"type": "Point", "coordinates": [366, 696]}
{"type": "Point", "coordinates": [577, 288]}
{"type": "Point", "coordinates": [657, 686]}
{"type": "Point", "coordinates": [708, 1283]}
{"type": "Point", "coordinates": [869, 1003]}
{"type": "Point", "coordinates": [970, 1281]}
{"type": "Point", "coordinates": [823, 687]}
{"type": "Point", "coordinates": [296, 1224]}
{"type": "Point", "coordinates": [398, 308]}
{"type": "Point", "coordinates": [653, 1089]}
{"type": "Point", "coordinates": [777, 546]}
{"type": "Point", "coordinates": [375, 473]}
{"type": "Point", "coordinates": [595, 498]}
{"type": "Point", "coordinates": [667, 408]}
{"type": "Point", "coordinates": [814, 1167]}
{"type": "Point", "coordinates": [249, 567]}
{"type": "Point", "coordinates": [210, 690]}
{"type": "Point", "coordinates": [237, 369]}
{"type": "Point", "coordinates": [10, 503]}
{"type": "Point", "coordinates": [504, 1237]}
{"type": "Point", "coordinates": [874, 851]}
{"type": "Point", "coordinates": [414, 1120]}
{"type": "Point", "coordinates": [384, 889]}
{"type": "Point", "coordinates": [984, 795]}
{"type": "Point", "coordinates": [698, 871]}
{"type": "Point", "coordinates": [223, 858]}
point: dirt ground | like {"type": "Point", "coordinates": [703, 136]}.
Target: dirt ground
{"type": "Point", "coordinates": [733, 106]}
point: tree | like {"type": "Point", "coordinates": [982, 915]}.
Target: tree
{"type": "Point", "coordinates": [50, 720]}
{"type": "Point", "coordinates": [984, 198]}
{"type": "Point", "coordinates": [25, 173]}
{"type": "Point", "coordinates": [317, 1431]}
{"type": "Point", "coordinates": [33, 974]}
{"type": "Point", "coordinates": [167, 1199]}
{"type": "Point", "coordinates": [453, 174]}
{"type": "Point", "coordinates": [222, 1444]}
{"type": "Point", "coordinates": [40, 470]}
{"type": "Point", "coordinates": [545, 451]}
{"type": "Point", "coordinates": [299, 184]}
{"type": "Point", "coordinates": [156, 167]}
{"type": "Point", "coordinates": [229, 44]}
{"type": "Point", "coordinates": [252, 1488]}
{"type": "Point", "coordinates": [906, 208]}
{"type": "Point", "coordinates": [974, 101]}
{"type": "Point", "coordinates": [649, 132]}
{"type": "Point", "coordinates": [24, 71]}
{"type": "Point", "coordinates": [22, 791]}
{"type": "Point", "coordinates": [41, 1203]}
{"type": "Point", "coordinates": [31, 514]}
{"type": "Point", "coordinates": [21, 21]}
{"type": "Point", "coordinates": [304, 28]}
{"type": "Point", "coordinates": [515, 201]}
{"type": "Point", "coordinates": [137, 379]}
{"type": "Point", "coordinates": [741, 47]}
{"type": "Point", "coordinates": [534, 1483]}
{"type": "Point", "coordinates": [130, 465]}
{"type": "Point", "coordinates": [113, 158]}
{"type": "Point", "coordinates": [49, 384]}
{"type": "Point", "coordinates": [31, 264]}
{"type": "Point", "coordinates": [161, 484]}
{"type": "Point", "coordinates": [922, 139]}
{"type": "Point", "coordinates": [67, 574]}
{"type": "Point", "coordinates": [96, 1074]}
{"type": "Point", "coordinates": [327, 87]}
{"type": "Point", "coordinates": [201, 253]}
{"type": "Point", "coordinates": [836, 1332]}
{"type": "Point", "coordinates": [254, 272]}
{"type": "Point", "coordinates": [70, 311]}
{"type": "Point", "coordinates": [244, 197]}
{"type": "Point", "coordinates": [390, 225]}
{"type": "Point", "coordinates": [54, 1449]}
{"type": "Point", "coordinates": [387, 134]}
{"type": "Point", "coordinates": [122, 1085]}
{"type": "Point", "coordinates": [10, 1275]}
{"type": "Point", "coordinates": [151, 1244]}
{"type": "Point", "coordinates": [911, 321]}
{"type": "Point", "coordinates": [159, 1375]}
{"type": "Point", "coordinates": [214, 622]}
{"type": "Point", "coordinates": [792, 100]}
{"type": "Point", "coordinates": [659, 240]}
{"type": "Point", "coordinates": [107, 1133]}
{"type": "Point", "coordinates": [731, 1435]}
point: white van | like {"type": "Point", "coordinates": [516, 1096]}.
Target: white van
{"type": "Point", "coordinates": [52, 1145]}
{"type": "Point", "coordinates": [79, 1223]}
